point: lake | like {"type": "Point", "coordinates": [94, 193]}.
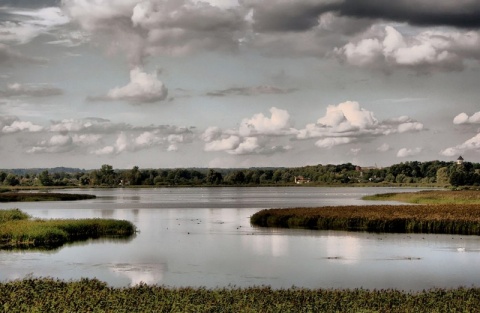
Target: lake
{"type": "Point", "coordinates": [203, 237]}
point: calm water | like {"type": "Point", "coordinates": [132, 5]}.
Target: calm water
{"type": "Point", "coordinates": [202, 237]}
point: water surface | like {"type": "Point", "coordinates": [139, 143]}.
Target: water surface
{"type": "Point", "coordinates": [203, 237]}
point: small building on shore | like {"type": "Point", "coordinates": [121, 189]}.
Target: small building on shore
{"type": "Point", "coordinates": [301, 180]}
{"type": "Point", "coordinates": [460, 160]}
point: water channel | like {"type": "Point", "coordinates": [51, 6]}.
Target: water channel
{"type": "Point", "coordinates": [203, 237]}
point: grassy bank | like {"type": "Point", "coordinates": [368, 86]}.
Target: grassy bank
{"type": "Point", "coordinates": [90, 295]}
{"type": "Point", "coordinates": [443, 219]}
{"type": "Point", "coordinates": [41, 196]}
{"type": "Point", "coordinates": [431, 197]}
{"type": "Point", "coordinates": [18, 230]}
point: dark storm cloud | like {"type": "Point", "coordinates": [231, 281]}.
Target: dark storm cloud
{"type": "Point", "coordinates": [297, 16]}
{"type": "Point", "coordinates": [287, 16]}
{"type": "Point", "coordinates": [461, 14]}
{"type": "Point", "coordinates": [30, 4]}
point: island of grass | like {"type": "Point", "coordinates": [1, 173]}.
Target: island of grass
{"type": "Point", "coordinates": [19, 230]}
{"type": "Point", "coordinates": [431, 197]}
{"type": "Point", "coordinates": [442, 219]}
{"type": "Point", "coordinates": [41, 196]}
{"type": "Point", "coordinates": [92, 295]}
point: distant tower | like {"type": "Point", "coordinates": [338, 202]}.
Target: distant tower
{"type": "Point", "coordinates": [460, 160]}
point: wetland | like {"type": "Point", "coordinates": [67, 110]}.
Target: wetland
{"type": "Point", "coordinates": [202, 237]}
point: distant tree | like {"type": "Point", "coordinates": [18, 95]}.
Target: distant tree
{"type": "Point", "coordinates": [442, 176]}
{"type": "Point", "coordinates": [3, 175]}
{"type": "Point", "coordinates": [45, 179]}
{"type": "Point", "coordinates": [214, 177]}
{"type": "Point", "coordinates": [11, 180]}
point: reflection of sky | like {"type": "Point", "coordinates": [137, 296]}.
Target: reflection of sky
{"type": "Point", "coordinates": [274, 245]}
{"type": "Point", "coordinates": [345, 249]}
{"type": "Point", "coordinates": [150, 274]}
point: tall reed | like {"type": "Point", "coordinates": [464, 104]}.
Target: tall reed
{"type": "Point", "coordinates": [91, 295]}
{"type": "Point", "coordinates": [17, 230]}
{"type": "Point", "coordinates": [448, 219]}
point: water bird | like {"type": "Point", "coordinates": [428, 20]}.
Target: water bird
{"type": "Point", "coordinates": [461, 249]}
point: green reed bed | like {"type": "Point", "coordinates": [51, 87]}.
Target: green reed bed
{"type": "Point", "coordinates": [443, 219]}
{"type": "Point", "coordinates": [41, 196]}
{"type": "Point", "coordinates": [91, 295]}
{"type": "Point", "coordinates": [17, 230]}
{"type": "Point", "coordinates": [431, 197]}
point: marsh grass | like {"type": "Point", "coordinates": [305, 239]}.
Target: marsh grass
{"type": "Point", "coordinates": [41, 196]}
{"type": "Point", "coordinates": [17, 230]}
{"type": "Point", "coordinates": [431, 197]}
{"type": "Point", "coordinates": [12, 215]}
{"type": "Point", "coordinates": [92, 295]}
{"type": "Point", "coordinates": [443, 219]}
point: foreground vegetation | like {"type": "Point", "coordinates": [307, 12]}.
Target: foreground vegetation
{"type": "Point", "coordinates": [443, 219]}
{"type": "Point", "coordinates": [18, 230]}
{"type": "Point", "coordinates": [91, 295]}
{"type": "Point", "coordinates": [41, 196]}
{"type": "Point", "coordinates": [431, 197]}
{"type": "Point", "coordinates": [431, 173]}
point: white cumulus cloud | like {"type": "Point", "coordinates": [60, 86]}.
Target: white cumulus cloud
{"type": "Point", "coordinates": [333, 141]}
{"type": "Point", "coordinates": [463, 118]}
{"type": "Point", "coordinates": [259, 124]}
{"type": "Point", "coordinates": [405, 152]}
{"type": "Point", "coordinates": [472, 144]}
{"type": "Point", "coordinates": [384, 147]}
{"type": "Point", "coordinates": [446, 50]}
{"type": "Point", "coordinates": [21, 126]}
{"type": "Point", "coordinates": [142, 88]}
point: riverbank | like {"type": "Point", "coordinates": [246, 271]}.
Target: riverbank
{"type": "Point", "coordinates": [442, 219]}
{"type": "Point", "coordinates": [91, 295]}
{"type": "Point", "coordinates": [18, 230]}
{"type": "Point", "coordinates": [431, 197]}
{"type": "Point", "coordinates": [41, 196]}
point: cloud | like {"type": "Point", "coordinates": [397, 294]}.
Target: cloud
{"type": "Point", "coordinates": [384, 147]}
{"type": "Point", "coordinates": [225, 144]}
{"type": "Point", "coordinates": [445, 50]}
{"type": "Point", "coordinates": [11, 57]}
{"type": "Point", "coordinates": [354, 31]}
{"type": "Point", "coordinates": [461, 14]}
{"type": "Point", "coordinates": [152, 27]}
{"type": "Point", "coordinates": [472, 144]}
{"type": "Point", "coordinates": [328, 143]}
{"type": "Point", "coordinates": [56, 144]}
{"type": "Point", "coordinates": [283, 16]}
{"type": "Point", "coordinates": [463, 118]}
{"type": "Point", "coordinates": [97, 125]}
{"type": "Point", "coordinates": [405, 152]}
{"type": "Point", "coordinates": [355, 151]}
{"type": "Point", "coordinates": [143, 88]}
{"type": "Point", "coordinates": [349, 120]}
{"type": "Point", "coordinates": [297, 16]}
{"type": "Point", "coordinates": [342, 124]}
{"type": "Point", "coordinates": [259, 124]}
{"type": "Point", "coordinates": [24, 25]}
{"type": "Point", "coordinates": [249, 91]}
{"type": "Point", "coordinates": [211, 133]}
{"type": "Point", "coordinates": [11, 124]}
{"type": "Point", "coordinates": [100, 136]}
{"type": "Point", "coordinates": [253, 136]}
{"type": "Point", "coordinates": [30, 90]}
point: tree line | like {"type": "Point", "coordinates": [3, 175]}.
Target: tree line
{"type": "Point", "coordinates": [422, 173]}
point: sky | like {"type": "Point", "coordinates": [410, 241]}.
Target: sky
{"type": "Point", "coordinates": [238, 83]}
